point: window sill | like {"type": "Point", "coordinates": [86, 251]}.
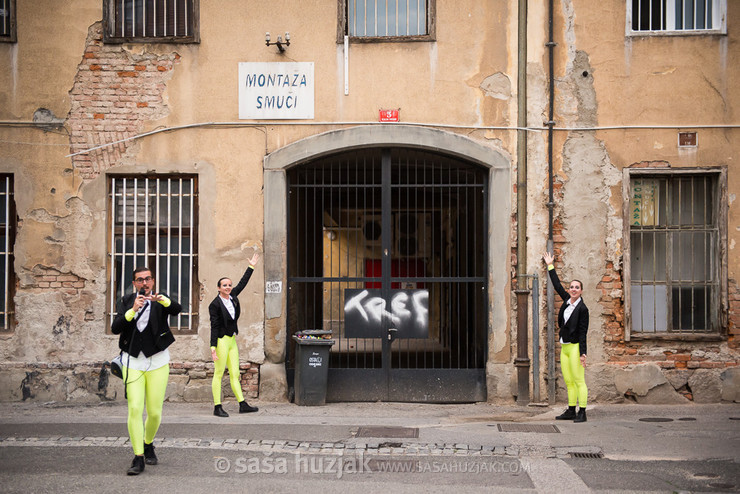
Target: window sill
{"type": "Point", "coordinates": [652, 34]}
{"type": "Point", "coordinates": [388, 39]}
{"type": "Point", "coordinates": [182, 41]}
{"type": "Point", "coordinates": [676, 337]}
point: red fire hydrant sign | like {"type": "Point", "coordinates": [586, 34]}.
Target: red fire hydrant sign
{"type": "Point", "coordinates": [388, 116]}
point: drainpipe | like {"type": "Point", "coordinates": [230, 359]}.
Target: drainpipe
{"type": "Point", "coordinates": [522, 293]}
{"type": "Point", "coordinates": [551, 376]}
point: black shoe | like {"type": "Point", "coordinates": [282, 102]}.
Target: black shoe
{"type": "Point", "coordinates": [568, 414]}
{"type": "Point", "coordinates": [581, 417]}
{"type": "Point", "coordinates": [218, 411]}
{"type": "Point", "coordinates": [137, 466]}
{"type": "Point", "coordinates": [245, 408]}
{"type": "Point", "coordinates": [149, 457]}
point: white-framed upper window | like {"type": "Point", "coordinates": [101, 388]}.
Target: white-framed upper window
{"type": "Point", "coordinates": [676, 17]}
{"type": "Point", "coordinates": [151, 21]}
{"type": "Point", "coordinates": [387, 20]}
{"type": "Point", "coordinates": [675, 266]}
{"type": "Point", "coordinates": [152, 224]}
{"type": "Point", "coordinates": [7, 21]}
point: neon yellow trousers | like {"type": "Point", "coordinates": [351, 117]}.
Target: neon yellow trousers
{"type": "Point", "coordinates": [145, 388]}
{"type": "Point", "coordinates": [574, 374]}
{"type": "Point", "coordinates": [228, 356]}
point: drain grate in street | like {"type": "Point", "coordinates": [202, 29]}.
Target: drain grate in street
{"type": "Point", "coordinates": [580, 454]}
{"type": "Point", "coordinates": [405, 432]}
{"type": "Point", "coordinates": [541, 428]}
{"type": "Point", "coordinates": [655, 419]}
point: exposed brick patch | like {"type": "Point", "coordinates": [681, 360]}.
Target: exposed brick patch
{"type": "Point", "coordinates": [668, 355]}
{"type": "Point", "coordinates": [250, 374]}
{"type": "Point", "coordinates": [250, 379]}
{"type": "Point", "coordinates": [114, 93]}
{"type": "Point", "coordinates": [733, 323]}
{"type": "Point", "coordinates": [50, 278]}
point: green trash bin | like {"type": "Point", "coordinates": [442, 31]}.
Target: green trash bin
{"type": "Point", "coordinates": [312, 366]}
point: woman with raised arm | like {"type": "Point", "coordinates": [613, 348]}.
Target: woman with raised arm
{"type": "Point", "coordinates": [224, 312]}
{"type": "Point", "coordinates": [573, 324]}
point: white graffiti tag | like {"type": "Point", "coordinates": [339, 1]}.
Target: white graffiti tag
{"type": "Point", "coordinates": [403, 307]}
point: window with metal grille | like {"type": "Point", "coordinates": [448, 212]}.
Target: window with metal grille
{"type": "Point", "coordinates": [157, 21]}
{"type": "Point", "coordinates": [675, 262]}
{"type": "Point", "coordinates": [7, 241]}
{"type": "Point", "coordinates": [388, 20]}
{"type": "Point", "coordinates": [676, 16]}
{"type": "Point", "coordinates": [153, 224]}
{"type": "Point", "coordinates": [7, 21]}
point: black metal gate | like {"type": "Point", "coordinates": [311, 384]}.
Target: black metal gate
{"type": "Point", "coordinates": [378, 232]}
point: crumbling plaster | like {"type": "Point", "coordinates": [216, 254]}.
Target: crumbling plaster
{"type": "Point", "coordinates": [591, 224]}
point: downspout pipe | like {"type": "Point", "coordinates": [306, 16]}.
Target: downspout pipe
{"type": "Point", "coordinates": [522, 293]}
{"type": "Point", "coordinates": [551, 373]}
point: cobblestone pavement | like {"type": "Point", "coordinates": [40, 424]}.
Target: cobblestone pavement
{"type": "Point", "coordinates": [372, 448]}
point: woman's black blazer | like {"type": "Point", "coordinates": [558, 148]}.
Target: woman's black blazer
{"type": "Point", "coordinates": [222, 324]}
{"type": "Point", "coordinates": [575, 330]}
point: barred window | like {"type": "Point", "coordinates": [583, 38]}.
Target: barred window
{"type": "Point", "coordinates": [388, 20]}
{"type": "Point", "coordinates": [158, 21]}
{"type": "Point", "coordinates": [153, 224]}
{"type": "Point", "coordinates": [7, 241]}
{"type": "Point", "coordinates": [675, 261]}
{"type": "Point", "coordinates": [7, 21]}
{"type": "Point", "coordinates": [676, 16]}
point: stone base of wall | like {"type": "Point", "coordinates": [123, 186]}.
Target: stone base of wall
{"type": "Point", "coordinates": [191, 382]}
{"type": "Point", "coordinates": [92, 382]}
{"type": "Point", "coordinates": [651, 384]}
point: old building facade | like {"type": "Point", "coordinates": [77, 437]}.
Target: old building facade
{"type": "Point", "coordinates": [401, 166]}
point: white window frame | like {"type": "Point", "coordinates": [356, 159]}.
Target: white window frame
{"type": "Point", "coordinates": [343, 24]}
{"type": "Point", "coordinates": [722, 306]}
{"type": "Point", "coordinates": [116, 30]}
{"type": "Point", "coordinates": [719, 19]}
{"type": "Point", "coordinates": [147, 209]}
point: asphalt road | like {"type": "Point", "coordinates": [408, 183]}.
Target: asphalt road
{"type": "Point", "coordinates": [465, 448]}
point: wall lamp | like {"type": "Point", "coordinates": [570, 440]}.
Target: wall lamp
{"type": "Point", "coordinates": [279, 43]}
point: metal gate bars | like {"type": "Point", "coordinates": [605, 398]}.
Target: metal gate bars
{"type": "Point", "coordinates": [387, 248]}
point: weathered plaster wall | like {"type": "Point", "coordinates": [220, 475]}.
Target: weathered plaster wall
{"type": "Point", "coordinates": [111, 92]}
{"type": "Point", "coordinates": [106, 92]}
{"type": "Point", "coordinates": [606, 79]}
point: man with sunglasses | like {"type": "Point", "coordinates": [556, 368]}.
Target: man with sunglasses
{"type": "Point", "coordinates": [142, 321]}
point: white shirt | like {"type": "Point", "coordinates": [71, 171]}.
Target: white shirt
{"type": "Point", "coordinates": [229, 305]}
{"type": "Point", "coordinates": [141, 362]}
{"type": "Point", "coordinates": [143, 318]}
{"type": "Point", "coordinates": [569, 311]}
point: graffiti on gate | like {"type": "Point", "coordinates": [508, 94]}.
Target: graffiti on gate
{"type": "Point", "coordinates": [368, 315]}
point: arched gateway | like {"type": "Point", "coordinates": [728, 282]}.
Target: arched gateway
{"type": "Point", "coordinates": [382, 235]}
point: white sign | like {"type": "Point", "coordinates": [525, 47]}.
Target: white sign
{"type": "Point", "coordinates": [282, 90]}
{"type": "Point", "coordinates": [273, 286]}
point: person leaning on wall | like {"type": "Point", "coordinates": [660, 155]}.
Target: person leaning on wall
{"type": "Point", "coordinates": [142, 323]}
{"type": "Point", "coordinates": [573, 324]}
{"type": "Point", "coordinates": [224, 311]}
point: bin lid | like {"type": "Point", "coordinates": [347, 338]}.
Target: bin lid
{"type": "Point", "coordinates": [313, 337]}
{"type": "Point", "coordinates": [313, 332]}
{"type": "Point", "coordinates": [313, 340]}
